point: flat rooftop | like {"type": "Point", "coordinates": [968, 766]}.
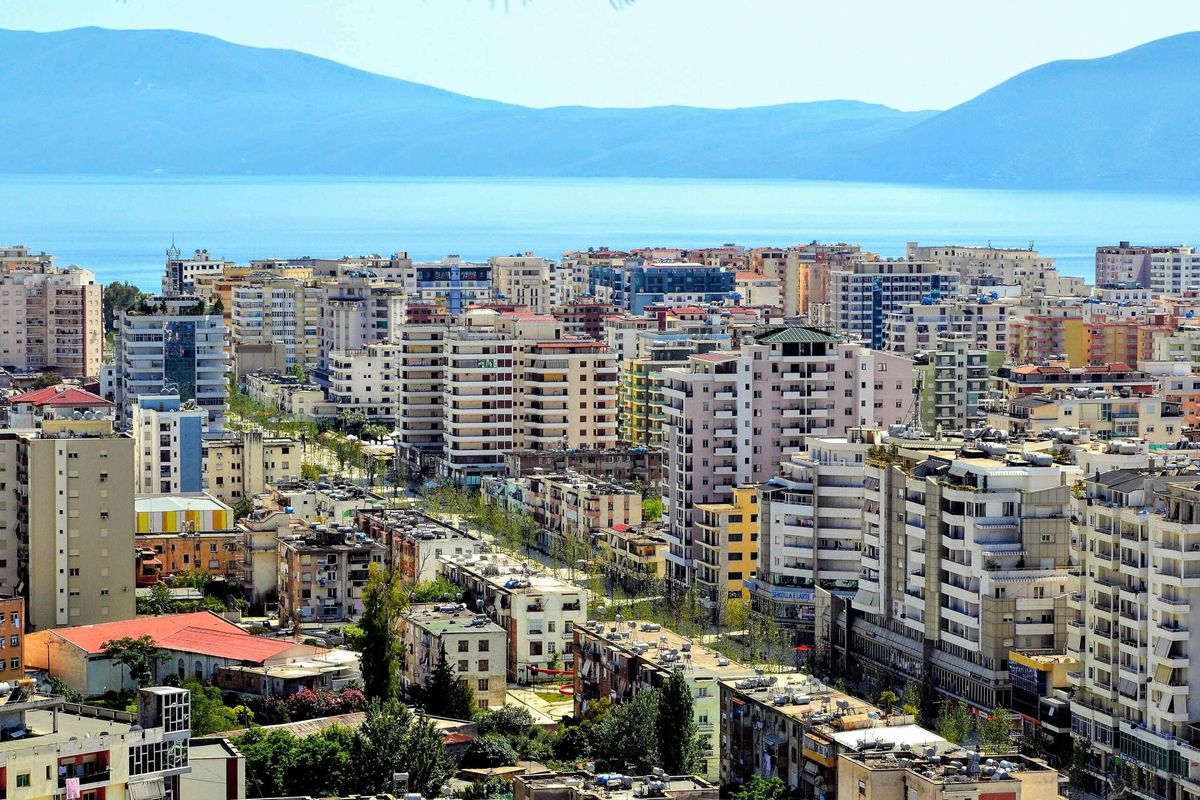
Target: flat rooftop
{"type": "Point", "coordinates": [438, 619]}
{"type": "Point", "coordinates": [178, 502]}
{"type": "Point", "coordinates": [665, 648]}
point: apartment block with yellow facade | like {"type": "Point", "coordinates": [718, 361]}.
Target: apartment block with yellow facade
{"type": "Point", "coordinates": [726, 551]}
{"type": "Point", "coordinates": [639, 395]}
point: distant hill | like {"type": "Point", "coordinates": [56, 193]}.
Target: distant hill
{"type": "Point", "coordinates": [144, 102]}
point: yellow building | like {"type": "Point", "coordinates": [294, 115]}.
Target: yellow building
{"type": "Point", "coordinates": [181, 513]}
{"type": "Point", "coordinates": [727, 548]}
{"type": "Point", "coordinates": [633, 555]}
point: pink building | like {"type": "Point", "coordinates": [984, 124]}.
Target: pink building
{"type": "Point", "coordinates": [732, 417]}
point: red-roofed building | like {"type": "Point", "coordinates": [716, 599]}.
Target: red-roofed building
{"type": "Point", "coordinates": [197, 645]}
{"type": "Point", "coordinates": [57, 403]}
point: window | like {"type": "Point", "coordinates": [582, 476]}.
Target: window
{"type": "Point", "coordinates": [482, 684]}
{"type": "Point", "coordinates": [535, 648]}
{"type": "Point", "coordinates": [551, 625]}
{"type": "Point", "coordinates": [464, 645]}
{"type": "Point", "coordinates": [462, 665]}
{"type": "Point", "coordinates": [14, 663]}
{"type": "Point", "coordinates": [483, 645]}
{"type": "Point", "coordinates": [23, 780]}
{"type": "Point", "coordinates": [483, 665]}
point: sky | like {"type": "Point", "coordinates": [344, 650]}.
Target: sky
{"type": "Point", "coordinates": [918, 54]}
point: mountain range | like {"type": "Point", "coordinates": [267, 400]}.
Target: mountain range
{"type": "Point", "coordinates": [135, 103]}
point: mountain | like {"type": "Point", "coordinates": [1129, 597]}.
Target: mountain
{"type": "Point", "coordinates": [146, 102]}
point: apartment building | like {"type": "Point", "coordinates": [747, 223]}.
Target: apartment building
{"type": "Point", "coordinates": [357, 310]}
{"type": "Point", "coordinates": [185, 533]}
{"type": "Point", "coordinates": [726, 550]}
{"type": "Point", "coordinates": [639, 394]}
{"type": "Point", "coordinates": [634, 555]}
{"type": "Point", "coordinates": [452, 284]}
{"type": "Point", "coordinates": [811, 521]}
{"type": "Point", "coordinates": [794, 728]}
{"type": "Point", "coordinates": [69, 542]}
{"type": "Point", "coordinates": [473, 644]}
{"type": "Point", "coordinates": [244, 464]}
{"type": "Point", "coordinates": [567, 505]}
{"type": "Point", "coordinates": [755, 289]}
{"type": "Point", "coordinates": [271, 310]}
{"type": "Point", "coordinates": [1111, 378]}
{"type": "Point", "coordinates": [1048, 332]}
{"type": "Point", "coordinates": [583, 318]}
{"type": "Point", "coordinates": [322, 573]}
{"type": "Point", "coordinates": [584, 785]}
{"type": "Point", "coordinates": [12, 639]}
{"type": "Point", "coordinates": [57, 408]}
{"type": "Point", "coordinates": [175, 343]}
{"type": "Point", "coordinates": [536, 283]}
{"type": "Point", "coordinates": [537, 612]}
{"type": "Point", "coordinates": [1103, 415]}
{"type": "Point", "coordinates": [863, 293]}
{"type": "Point", "coordinates": [617, 465]}
{"type": "Point", "coordinates": [915, 327]}
{"type": "Point", "coordinates": [732, 417]}
{"type": "Point", "coordinates": [289, 394]}
{"type": "Point", "coordinates": [477, 398]}
{"type": "Point", "coordinates": [1174, 272]}
{"type": "Point", "coordinates": [168, 453]}
{"type": "Point", "coordinates": [1019, 271]}
{"type": "Point", "coordinates": [564, 395]}
{"type": "Point", "coordinates": [1178, 383]}
{"type": "Point", "coordinates": [639, 283]}
{"type": "Point", "coordinates": [962, 381]}
{"type": "Point", "coordinates": [414, 542]}
{"type": "Point", "coordinates": [420, 421]}
{"type": "Point", "coordinates": [875, 775]}
{"type": "Point", "coordinates": [366, 380]}
{"type": "Point", "coordinates": [618, 660]}
{"type": "Point", "coordinates": [1136, 536]}
{"type": "Point", "coordinates": [965, 557]}
{"type": "Point", "coordinates": [1183, 345]}
{"type": "Point", "coordinates": [1125, 263]}
{"type": "Point", "coordinates": [181, 273]}
{"type": "Point", "coordinates": [50, 319]}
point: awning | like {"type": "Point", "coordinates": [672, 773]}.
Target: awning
{"type": "Point", "coordinates": [773, 740]}
{"type": "Point", "coordinates": [153, 789]}
{"type": "Point", "coordinates": [866, 600]}
{"type": "Point", "coordinates": [1127, 687]}
{"type": "Point", "coordinates": [811, 767]}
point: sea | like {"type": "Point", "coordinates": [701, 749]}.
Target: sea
{"type": "Point", "coordinates": [121, 227]}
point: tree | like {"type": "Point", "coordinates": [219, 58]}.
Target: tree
{"type": "Point", "coordinates": [159, 601]}
{"type": "Point", "coordinates": [243, 508]}
{"type": "Point", "coordinates": [373, 432]}
{"type": "Point", "coordinates": [506, 721]}
{"type": "Point", "coordinates": [45, 380]}
{"type": "Point", "coordinates": [678, 740]}
{"type": "Point", "coordinates": [954, 723]}
{"type": "Point", "coordinates": [310, 471]}
{"type": "Point", "coordinates": [209, 712]}
{"type": "Point", "coordinates": [652, 509]}
{"type": "Point", "coordinates": [62, 689]}
{"type": "Point", "coordinates": [628, 735]}
{"type": "Point", "coordinates": [391, 740]}
{"type": "Point", "coordinates": [297, 372]}
{"type": "Point", "coordinates": [910, 700]}
{"type": "Point", "coordinates": [383, 600]}
{"type": "Point", "coordinates": [444, 694]}
{"type": "Point", "coordinates": [489, 750]}
{"type": "Point", "coordinates": [888, 700]}
{"type": "Point", "coordinates": [760, 788]}
{"type": "Point", "coordinates": [118, 298]}
{"type": "Point", "coordinates": [995, 731]}
{"type": "Point", "coordinates": [139, 656]}
{"type": "Point", "coordinates": [437, 590]}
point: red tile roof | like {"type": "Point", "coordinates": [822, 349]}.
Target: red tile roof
{"type": "Point", "coordinates": [59, 396]}
{"type": "Point", "coordinates": [199, 632]}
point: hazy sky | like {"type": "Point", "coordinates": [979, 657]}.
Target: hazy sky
{"type": "Point", "coordinates": [908, 54]}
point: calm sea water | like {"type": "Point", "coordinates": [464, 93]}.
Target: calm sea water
{"type": "Point", "coordinates": [120, 228]}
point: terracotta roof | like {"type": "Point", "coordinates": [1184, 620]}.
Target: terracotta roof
{"type": "Point", "coordinates": [59, 396]}
{"type": "Point", "coordinates": [198, 632]}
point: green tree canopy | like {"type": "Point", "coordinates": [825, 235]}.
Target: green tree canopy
{"type": "Point", "coordinates": [628, 735]}
{"type": "Point", "coordinates": [139, 655]}
{"type": "Point", "coordinates": [444, 694]}
{"type": "Point", "coordinates": [678, 739]}
{"type": "Point", "coordinates": [954, 723]}
{"type": "Point", "coordinates": [383, 601]}
{"type": "Point", "coordinates": [759, 788]}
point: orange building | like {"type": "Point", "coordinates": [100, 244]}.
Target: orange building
{"type": "Point", "coordinates": [12, 638]}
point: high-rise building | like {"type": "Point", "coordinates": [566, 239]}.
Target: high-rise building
{"type": "Point", "coordinates": [357, 310]}
{"type": "Point", "coordinates": [639, 396]}
{"type": "Point", "coordinates": [863, 293]}
{"type": "Point", "coordinates": [962, 377]}
{"type": "Point", "coordinates": [915, 327]}
{"type": "Point", "coordinates": [564, 395]}
{"type": "Point", "coordinates": [477, 398]}
{"type": "Point", "coordinates": [167, 453]}
{"type": "Point", "coordinates": [50, 318]}
{"type": "Point", "coordinates": [536, 283]}
{"type": "Point", "coordinates": [726, 549]}
{"type": "Point", "coordinates": [640, 283]}
{"type": "Point", "coordinates": [175, 343]}
{"type": "Point", "coordinates": [1125, 263]}
{"type": "Point", "coordinates": [731, 417]}
{"type": "Point", "coordinates": [180, 273]}
{"type": "Point", "coordinates": [422, 366]}
{"type": "Point", "coordinates": [268, 310]}
{"type": "Point", "coordinates": [1174, 272]}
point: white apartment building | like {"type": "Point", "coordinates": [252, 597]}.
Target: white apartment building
{"type": "Point", "coordinates": [965, 558]}
{"type": "Point", "coordinates": [731, 417]}
{"type": "Point", "coordinates": [167, 453]}
{"type": "Point", "coordinates": [366, 380]}
{"type": "Point", "coordinates": [1174, 272]}
{"type": "Point", "coordinates": [531, 281]}
{"type": "Point", "coordinates": [269, 310]}
{"type": "Point", "coordinates": [176, 343]}
{"type": "Point", "coordinates": [422, 365]}
{"type": "Point", "coordinates": [51, 319]}
{"type": "Point", "coordinates": [915, 327]}
{"type": "Point", "coordinates": [539, 613]}
{"type": "Point", "coordinates": [1137, 537]}
{"type": "Point", "coordinates": [811, 514]}
{"type": "Point", "coordinates": [477, 398]}
{"type": "Point", "coordinates": [962, 382]}
{"type": "Point", "coordinates": [180, 273]}
{"type": "Point", "coordinates": [357, 310]}
{"type": "Point", "coordinates": [863, 293]}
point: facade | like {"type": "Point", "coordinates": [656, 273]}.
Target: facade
{"type": "Point", "coordinates": [186, 533]}
{"type": "Point", "coordinates": [414, 542]}
{"type": "Point", "coordinates": [322, 573]}
{"type": "Point", "coordinates": [618, 660]}
{"type": "Point", "coordinates": [863, 293]}
{"type": "Point", "coordinates": [639, 395]}
{"type": "Point", "coordinates": [874, 775]}
{"type": "Point", "coordinates": [1111, 378]}
{"type": "Point", "coordinates": [167, 454]}
{"type": "Point", "coordinates": [289, 394]}
{"type": "Point", "coordinates": [422, 366]}
{"type": "Point", "coordinates": [811, 517]}
{"type": "Point", "coordinates": [965, 557]}
{"type": "Point", "coordinates": [1125, 264]}
{"type": "Point", "coordinates": [1174, 272]}
{"type": "Point", "coordinates": [357, 310]}
{"type": "Point", "coordinates": [474, 645]}
{"type": "Point", "coordinates": [732, 417]}
{"type": "Point", "coordinates": [537, 612]}
{"type": "Point", "coordinates": [180, 274]}
{"type": "Point", "coordinates": [244, 464]}
{"type": "Point", "coordinates": [452, 284]}
{"type": "Point", "coordinates": [1102, 415]}
{"type": "Point", "coordinates": [477, 397]}
{"type": "Point", "coordinates": [69, 545]}
{"type": "Point", "coordinates": [536, 283]}
{"type": "Point", "coordinates": [962, 380]}
{"type": "Point", "coordinates": [564, 395]}
{"type": "Point", "coordinates": [12, 639]}
{"type": "Point", "coordinates": [269, 310]}
{"type": "Point", "coordinates": [618, 465]}
{"type": "Point", "coordinates": [638, 284]}
{"type": "Point", "coordinates": [726, 549]}
{"type": "Point", "coordinates": [366, 380]}
{"type": "Point", "coordinates": [916, 327]}
{"type": "Point", "coordinates": [175, 343]}
{"type": "Point", "coordinates": [634, 555]}
{"type": "Point", "coordinates": [50, 319]}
